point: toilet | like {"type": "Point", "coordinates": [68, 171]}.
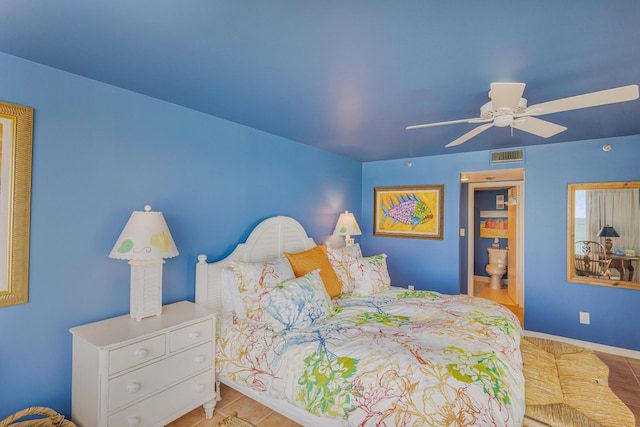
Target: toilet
{"type": "Point", "coordinates": [497, 266]}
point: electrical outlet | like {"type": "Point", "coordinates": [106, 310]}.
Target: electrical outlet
{"type": "Point", "coordinates": [585, 318]}
{"type": "Point", "coordinates": [410, 287]}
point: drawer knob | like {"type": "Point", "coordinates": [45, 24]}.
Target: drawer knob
{"type": "Point", "coordinates": [133, 387]}
{"type": "Point", "coordinates": [199, 388]}
{"type": "Point", "coordinates": [194, 335]}
{"type": "Point", "coordinates": [133, 421]}
{"type": "Point", "coordinates": [141, 353]}
{"type": "Point", "coordinates": [199, 359]}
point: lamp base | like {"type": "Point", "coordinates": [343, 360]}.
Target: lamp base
{"type": "Point", "coordinates": [348, 240]}
{"type": "Point", "coordinates": [146, 288]}
{"type": "Point", "coordinates": [608, 245]}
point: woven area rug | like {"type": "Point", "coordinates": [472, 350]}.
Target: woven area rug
{"type": "Point", "coordinates": [566, 386]}
{"type": "Point", "coordinates": [233, 421]}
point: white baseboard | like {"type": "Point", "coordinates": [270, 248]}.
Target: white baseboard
{"type": "Point", "coordinates": [624, 352]}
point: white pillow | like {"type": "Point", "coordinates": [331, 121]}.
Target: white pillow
{"type": "Point", "coordinates": [296, 303]}
{"type": "Point", "coordinates": [370, 275]}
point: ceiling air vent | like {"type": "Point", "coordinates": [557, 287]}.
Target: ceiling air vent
{"type": "Point", "coordinates": [512, 156]}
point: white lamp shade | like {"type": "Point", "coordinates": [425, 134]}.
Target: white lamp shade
{"type": "Point", "coordinates": [347, 225]}
{"type": "Point", "coordinates": [146, 236]}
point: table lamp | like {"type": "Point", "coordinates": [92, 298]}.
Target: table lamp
{"type": "Point", "coordinates": [145, 242]}
{"type": "Point", "coordinates": [347, 226]}
{"type": "Point", "coordinates": [608, 232]}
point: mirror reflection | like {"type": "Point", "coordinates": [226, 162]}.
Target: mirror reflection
{"type": "Point", "coordinates": [604, 234]}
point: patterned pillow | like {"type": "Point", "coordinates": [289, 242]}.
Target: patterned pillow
{"type": "Point", "coordinates": [254, 279]}
{"type": "Point", "coordinates": [296, 303]}
{"type": "Point", "coordinates": [339, 259]}
{"type": "Point", "coordinates": [370, 274]}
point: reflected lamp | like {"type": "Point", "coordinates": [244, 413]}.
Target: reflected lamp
{"type": "Point", "coordinates": [347, 226]}
{"type": "Point", "coordinates": [145, 241]}
{"type": "Point", "coordinates": [608, 232]}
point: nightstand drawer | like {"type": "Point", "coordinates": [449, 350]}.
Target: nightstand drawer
{"type": "Point", "coordinates": [190, 335]}
{"type": "Point", "coordinates": [137, 353]}
{"type": "Point", "coordinates": [142, 382]}
{"type": "Point", "coordinates": [151, 412]}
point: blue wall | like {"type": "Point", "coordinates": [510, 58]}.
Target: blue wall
{"type": "Point", "coordinates": [99, 153]}
{"type": "Point", "coordinates": [552, 304]}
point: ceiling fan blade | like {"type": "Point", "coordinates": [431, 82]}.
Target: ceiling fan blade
{"type": "Point", "coordinates": [467, 136]}
{"type": "Point", "coordinates": [538, 127]}
{"type": "Point", "coordinates": [593, 99]}
{"type": "Point", "coordinates": [428, 125]}
{"type": "Point", "coordinates": [506, 95]}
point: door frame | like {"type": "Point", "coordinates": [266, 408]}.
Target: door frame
{"type": "Point", "coordinates": [472, 186]}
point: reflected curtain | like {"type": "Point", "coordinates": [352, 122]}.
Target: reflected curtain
{"type": "Point", "coordinates": [619, 209]}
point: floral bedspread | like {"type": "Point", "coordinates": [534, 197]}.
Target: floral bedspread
{"type": "Point", "coordinates": [398, 358]}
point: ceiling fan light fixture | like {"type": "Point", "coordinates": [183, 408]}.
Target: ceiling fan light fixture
{"type": "Point", "coordinates": [503, 120]}
{"type": "Point", "coordinates": [488, 112]}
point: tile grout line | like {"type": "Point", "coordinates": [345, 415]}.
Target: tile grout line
{"type": "Point", "coordinates": [635, 375]}
{"type": "Point", "coordinates": [263, 418]}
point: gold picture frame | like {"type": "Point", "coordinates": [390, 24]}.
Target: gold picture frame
{"type": "Point", "coordinates": [16, 133]}
{"type": "Point", "coordinates": [409, 211]}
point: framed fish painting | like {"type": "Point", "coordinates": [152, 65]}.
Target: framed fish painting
{"type": "Point", "coordinates": [410, 211]}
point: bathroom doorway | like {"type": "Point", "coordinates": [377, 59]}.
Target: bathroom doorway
{"type": "Point", "coordinates": [496, 218]}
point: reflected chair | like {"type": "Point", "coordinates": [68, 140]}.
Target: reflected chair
{"type": "Point", "coordinates": [591, 259]}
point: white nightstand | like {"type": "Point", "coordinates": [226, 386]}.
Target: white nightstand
{"type": "Point", "coordinates": [144, 373]}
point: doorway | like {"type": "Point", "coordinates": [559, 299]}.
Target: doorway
{"type": "Point", "coordinates": [504, 226]}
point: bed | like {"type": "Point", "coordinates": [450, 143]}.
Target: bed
{"type": "Point", "coordinates": [373, 354]}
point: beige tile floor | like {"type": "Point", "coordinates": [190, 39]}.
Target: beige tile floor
{"type": "Point", "coordinates": [624, 380]}
{"type": "Point", "coordinates": [232, 401]}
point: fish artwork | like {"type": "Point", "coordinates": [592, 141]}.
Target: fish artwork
{"type": "Point", "coordinates": [407, 209]}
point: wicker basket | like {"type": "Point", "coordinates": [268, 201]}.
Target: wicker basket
{"type": "Point", "coordinates": [43, 417]}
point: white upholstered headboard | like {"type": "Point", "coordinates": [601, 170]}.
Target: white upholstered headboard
{"type": "Point", "coordinates": [270, 239]}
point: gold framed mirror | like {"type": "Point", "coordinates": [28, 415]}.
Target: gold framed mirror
{"type": "Point", "coordinates": [603, 234]}
{"type": "Point", "coordinates": [16, 132]}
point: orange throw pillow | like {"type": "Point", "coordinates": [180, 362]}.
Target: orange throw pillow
{"type": "Point", "coordinates": [312, 259]}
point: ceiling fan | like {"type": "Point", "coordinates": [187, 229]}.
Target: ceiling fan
{"type": "Point", "coordinates": [508, 108]}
